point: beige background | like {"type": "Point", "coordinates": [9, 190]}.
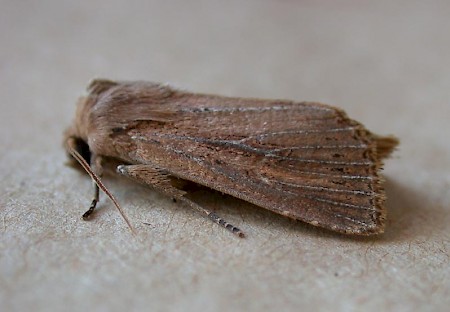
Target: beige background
{"type": "Point", "coordinates": [387, 63]}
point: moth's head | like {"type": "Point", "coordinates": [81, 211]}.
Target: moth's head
{"type": "Point", "coordinates": [81, 147]}
{"type": "Point", "coordinates": [77, 135]}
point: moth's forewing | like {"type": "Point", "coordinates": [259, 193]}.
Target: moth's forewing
{"type": "Point", "coordinates": [306, 161]}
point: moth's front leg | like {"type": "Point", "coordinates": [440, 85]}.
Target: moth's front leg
{"type": "Point", "coordinates": [97, 168]}
{"type": "Point", "coordinates": [166, 183]}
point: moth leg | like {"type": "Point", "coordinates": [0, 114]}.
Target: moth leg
{"type": "Point", "coordinates": [166, 183]}
{"type": "Point", "coordinates": [97, 168]}
{"type": "Point", "coordinates": [214, 217]}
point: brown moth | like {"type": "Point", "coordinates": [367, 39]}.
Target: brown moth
{"type": "Point", "coordinates": [304, 160]}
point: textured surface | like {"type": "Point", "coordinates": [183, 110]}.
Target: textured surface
{"type": "Point", "coordinates": [385, 64]}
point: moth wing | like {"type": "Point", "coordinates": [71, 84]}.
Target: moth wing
{"type": "Point", "coordinates": [307, 161]}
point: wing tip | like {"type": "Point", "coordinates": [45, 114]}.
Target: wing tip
{"type": "Point", "coordinates": [386, 145]}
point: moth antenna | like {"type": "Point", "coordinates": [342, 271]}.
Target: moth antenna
{"type": "Point", "coordinates": [70, 147]}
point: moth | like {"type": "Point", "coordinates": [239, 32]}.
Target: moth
{"type": "Point", "coordinates": [304, 160]}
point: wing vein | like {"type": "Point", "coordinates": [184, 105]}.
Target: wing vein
{"type": "Point", "coordinates": [252, 109]}
{"type": "Point", "coordinates": [262, 135]}
{"type": "Point", "coordinates": [326, 189]}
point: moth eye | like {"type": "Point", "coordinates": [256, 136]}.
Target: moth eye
{"type": "Point", "coordinates": [83, 149]}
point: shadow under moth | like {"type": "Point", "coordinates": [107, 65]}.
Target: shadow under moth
{"type": "Point", "coordinates": [303, 160]}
